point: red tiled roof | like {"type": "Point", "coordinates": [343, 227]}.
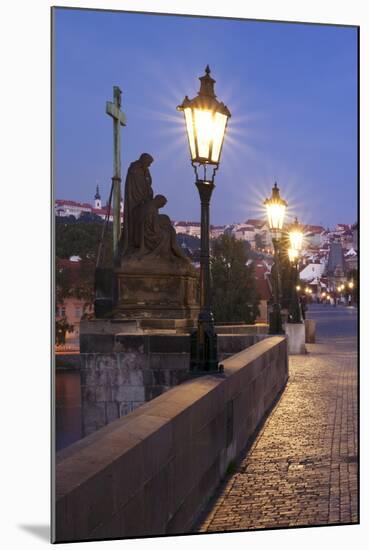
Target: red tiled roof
{"type": "Point", "coordinates": [246, 228]}
{"type": "Point", "coordinates": [255, 223]}
{"type": "Point", "coordinates": [100, 211]}
{"type": "Point", "coordinates": [62, 202]}
{"type": "Point", "coordinates": [188, 224]}
{"type": "Point", "coordinates": [314, 229]}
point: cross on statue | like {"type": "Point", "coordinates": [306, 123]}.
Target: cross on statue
{"type": "Point", "coordinates": [119, 119]}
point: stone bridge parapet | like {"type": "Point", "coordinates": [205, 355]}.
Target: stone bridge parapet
{"type": "Point", "coordinates": [152, 471]}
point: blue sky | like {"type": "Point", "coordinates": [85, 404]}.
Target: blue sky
{"type": "Point", "coordinates": [291, 89]}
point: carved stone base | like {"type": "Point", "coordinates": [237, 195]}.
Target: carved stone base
{"type": "Point", "coordinates": [156, 296]}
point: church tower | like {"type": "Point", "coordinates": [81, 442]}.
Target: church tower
{"type": "Point", "coordinates": [97, 198]}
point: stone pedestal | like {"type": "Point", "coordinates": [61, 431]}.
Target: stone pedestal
{"type": "Point", "coordinates": [296, 338]}
{"type": "Point", "coordinates": [161, 296]}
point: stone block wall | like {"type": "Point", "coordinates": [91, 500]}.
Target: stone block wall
{"type": "Point", "coordinates": [120, 372]}
{"type": "Point", "coordinates": [152, 471]}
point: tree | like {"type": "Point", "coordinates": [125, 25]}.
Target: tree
{"type": "Point", "coordinates": [259, 242]}
{"type": "Point", "coordinates": [75, 280]}
{"type": "Point", "coordinates": [80, 238]}
{"type": "Point", "coordinates": [190, 241]}
{"type": "Point", "coordinates": [234, 295]}
{"type": "Point", "coordinates": [61, 328]}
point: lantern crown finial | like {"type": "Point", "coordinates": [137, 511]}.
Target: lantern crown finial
{"type": "Point", "coordinates": [275, 192]}
{"type": "Point", "coordinates": [207, 84]}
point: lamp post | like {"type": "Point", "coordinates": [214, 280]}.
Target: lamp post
{"type": "Point", "coordinates": [295, 237]}
{"type": "Point", "coordinates": [350, 292]}
{"type": "Point", "coordinates": [206, 121]}
{"type": "Point", "coordinates": [276, 207]}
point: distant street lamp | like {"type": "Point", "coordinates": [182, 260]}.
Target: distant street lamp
{"type": "Point", "coordinates": [293, 255]}
{"type": "Point", "coordinates": [206, 121]}
{"type": "Point", "coordinates": [275, 207]}
{"type": "Point", "coordinates": [295, 236]}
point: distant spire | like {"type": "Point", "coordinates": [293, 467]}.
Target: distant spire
{"type": "Point", "coordinates": [97, 195]}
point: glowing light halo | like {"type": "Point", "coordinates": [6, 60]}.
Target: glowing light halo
{"type": "Point", "coordinates": [296, 235]}
{"type": "Point", "coordinates": [275, 207]}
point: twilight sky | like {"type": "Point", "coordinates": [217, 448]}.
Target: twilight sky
{"type": "Point", "coordinates": [291, 89]}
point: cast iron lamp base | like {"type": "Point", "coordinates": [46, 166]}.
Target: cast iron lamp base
{"type": "Point", "coordinates": [275, 320]}
{"type": "Point", "coordinates": [204, 352]}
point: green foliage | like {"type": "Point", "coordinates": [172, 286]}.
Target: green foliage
{"type": "Point", "coordinates": [80, 239]}
{"type": "Point", "coordinates": [76, 283]}
{"type": "Point", "coordinates": [190, 241]}
{"type": "Point", "coordinates": [234, 297]}
{"type": "Point", "coordinates": [259, 242]}
{"type": "Point", "coordinates": [61, 328]}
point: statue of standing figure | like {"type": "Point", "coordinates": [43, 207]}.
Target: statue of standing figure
{"type": "Point", "coordinates": [137, 192]}
{"type": "Point", "coordinates": [146, 233]}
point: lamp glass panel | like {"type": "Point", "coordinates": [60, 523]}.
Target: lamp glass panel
{"type": "Point", "coordinates": [296, 240]}
{"type": "Point", "coordinates": [275, 213]}
{"type": "Point", "coordinates": [204, 131]}
{"type": "Point", "coordinates": [220, 122]}
{"type": "Point", "coordinates": [292, 254]}
{"type": "Point", "coordinates": [190, 131]}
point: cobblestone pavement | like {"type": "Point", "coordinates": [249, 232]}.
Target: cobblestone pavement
{"type": "Point", "coordinates": [302, 467]}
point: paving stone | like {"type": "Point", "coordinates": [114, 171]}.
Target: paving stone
{"type": "Point", "coordinates": [302, 467]}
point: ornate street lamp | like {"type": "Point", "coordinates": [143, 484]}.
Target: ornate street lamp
{"type": "Point", "coordinates": [206, 121]}
{"type": "Point", "coordinates": [296, 237]}
{"type": "Point", "coordinates": [275, 207]}
{"type": "Point", "coordinates": [293, 255]}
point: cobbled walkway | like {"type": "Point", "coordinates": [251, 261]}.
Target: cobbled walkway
{"type": "Point", "coordinates": [302, 468]}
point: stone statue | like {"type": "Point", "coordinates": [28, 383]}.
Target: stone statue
{"type": "Point", "coordinates": [137, 191]}
{"type": "Point", "coordinates": [155, 279]}
{"type": "Point", "coordinates": [154, 235]}
{"type": "Point", "coordinates": [146, 233]}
